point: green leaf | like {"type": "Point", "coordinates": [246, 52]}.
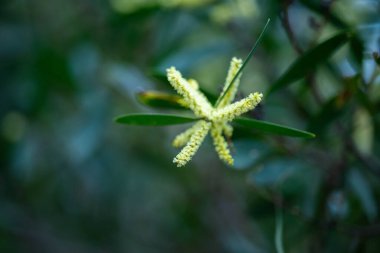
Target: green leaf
{"type": "Point", "coordinates": [273, 128]}
{"type": "Point", "coordinates": [166, 100]}
{"type": "Point", "coordinates": [243, 65]}
{"type": "Point", "coordinates": [160, 100]}
{"type": "Point", "coordinates": [153, 119]}
{"type": "Point", "coordinates": [308, 61]}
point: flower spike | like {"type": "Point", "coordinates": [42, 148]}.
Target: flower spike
{"type": "Point", "coordinates": [194, 143]}
{"type": "Point", "coordinates": [196, 101]}
{"type": "Point", "coordinates": [181, 139]}
{"type": "Point", "coordinates": [213, 118]}
{"type": "Point", "coordinates": [229, 112]}
{"type": "Point", "coordinates": [235, 65]}
{"type": "Point", "coordinates": [221, 145]}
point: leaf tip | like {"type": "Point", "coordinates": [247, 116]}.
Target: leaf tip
{"type": "Point", "coordinates": [116, 119]}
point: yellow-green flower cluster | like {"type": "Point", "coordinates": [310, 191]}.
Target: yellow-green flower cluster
{"type": "Point", "coordinates": [213, 118]}
{"type": "Point", "coordinates": [200, 131]}
{"type": "Point", "coordinates": [193, 98]}
{"type": "Point", "coordinates": [232, 71]}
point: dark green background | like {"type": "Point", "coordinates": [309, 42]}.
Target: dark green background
{"type": "Point", "coordinates": [72, 180]}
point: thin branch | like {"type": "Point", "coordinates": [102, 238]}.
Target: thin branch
{"type": "Point", "coordinates": [284, 17]}
{"type": "Point", "coordinates": [278, 238]}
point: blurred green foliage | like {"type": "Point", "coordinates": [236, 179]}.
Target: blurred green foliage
{"type": "Point", "coordinates": [71, 180]}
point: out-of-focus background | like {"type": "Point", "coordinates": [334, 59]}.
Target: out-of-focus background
{"type": "Point", "coordinates": [72, 180]}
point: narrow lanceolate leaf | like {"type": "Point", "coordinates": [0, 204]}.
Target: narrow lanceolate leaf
{"type": "Point", "coordinates": [250, 54]}
{"type": "Point", "coordinates": [308, 61]}
{"type": "Point", "coordinates": [273, 128]}
{"type": "Point", "coordinates": [160, 100]}
{"type": "Point", "coordinates": [153, 119]}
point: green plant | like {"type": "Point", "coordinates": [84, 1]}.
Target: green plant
{"type": "Point", "coordinates": [213, 118]}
